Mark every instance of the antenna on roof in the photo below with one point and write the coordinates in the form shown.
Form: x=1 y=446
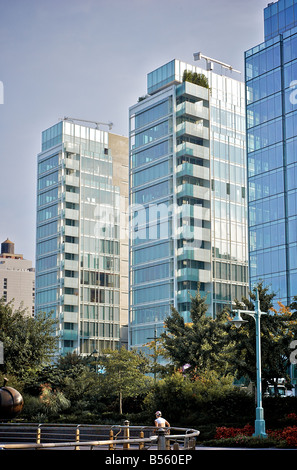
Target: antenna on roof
x=209 y=62
x=97 y=124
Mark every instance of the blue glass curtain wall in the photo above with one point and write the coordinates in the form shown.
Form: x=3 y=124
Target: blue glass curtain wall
x=271 y=69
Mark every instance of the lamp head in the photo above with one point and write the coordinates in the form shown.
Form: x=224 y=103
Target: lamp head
x=237 y=320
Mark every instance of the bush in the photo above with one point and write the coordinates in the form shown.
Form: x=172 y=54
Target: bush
x=200 y=403
x=197 y=78
x=276 y=410
x=243 y=437
x=243 y=441
x=287 y=435
x=223 y=432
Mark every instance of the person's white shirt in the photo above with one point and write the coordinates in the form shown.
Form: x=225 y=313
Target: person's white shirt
x=161 y=422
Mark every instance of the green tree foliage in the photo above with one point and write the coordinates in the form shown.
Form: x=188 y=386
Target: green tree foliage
x=197 y=78
x=69 y=385
x=265 y=296
x=204 y=343
x=29 y=343
x=124 y=374
x=184 y=401
x=277 y=332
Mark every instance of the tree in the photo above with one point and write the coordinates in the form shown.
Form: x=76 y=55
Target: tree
x=124 y=374
x=202 y=344
x=159 y=365
x=29 y=343
x=265 y=298
x=277 y=330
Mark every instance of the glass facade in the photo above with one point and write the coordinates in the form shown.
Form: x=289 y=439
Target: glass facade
x=272 y=157
x=188 y=200
x=78 y=259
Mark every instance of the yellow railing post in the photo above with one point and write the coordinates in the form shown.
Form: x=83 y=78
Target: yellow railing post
x=77 y=437
x=141 y=444
x=111 y=438
x=38 y=434
x=126 y=434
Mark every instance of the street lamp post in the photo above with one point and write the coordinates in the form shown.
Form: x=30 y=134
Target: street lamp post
x=238 y=321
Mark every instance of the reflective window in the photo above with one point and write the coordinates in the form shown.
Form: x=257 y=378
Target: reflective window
x=267 y=210
x=292 y=150
x=150 y=294
x=151 y=193
x=263 y=86
x=151 y=134
x=151 y=173
x=47 y=197
x=150 y=273
x=48 y=164
x=263 y=62
x=161 y=76
x=151 y=253
x=265 y=110
x=266 y=185
x=265 y=134
x=152 y=114
x=265 y=159
x=48 y=180
x=47 y=213
x=152 y=153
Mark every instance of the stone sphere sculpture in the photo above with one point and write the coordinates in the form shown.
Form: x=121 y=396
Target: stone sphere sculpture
x=11 y=402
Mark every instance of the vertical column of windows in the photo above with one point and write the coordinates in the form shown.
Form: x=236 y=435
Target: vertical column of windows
x=100 y=254
x=47 y=245
x=266 y=167
x=151 y=200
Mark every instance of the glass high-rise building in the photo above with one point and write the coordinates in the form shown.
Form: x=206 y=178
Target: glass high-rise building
x=271 y=74
x=81 y=255
x=188 y=197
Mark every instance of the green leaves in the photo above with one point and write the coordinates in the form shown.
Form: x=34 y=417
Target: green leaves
x=196 y=78
x=277 y=330
x=29 y=342
x=203 y=343
x=124 y=374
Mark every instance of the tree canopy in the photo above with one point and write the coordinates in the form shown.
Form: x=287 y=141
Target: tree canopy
x=29 y=343
x=201 y=344
x=124 y=373
x=277 y=331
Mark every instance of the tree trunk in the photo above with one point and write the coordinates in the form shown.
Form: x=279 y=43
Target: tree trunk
x=121 y=402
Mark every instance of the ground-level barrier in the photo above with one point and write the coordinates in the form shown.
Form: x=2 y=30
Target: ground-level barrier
x=38 y=436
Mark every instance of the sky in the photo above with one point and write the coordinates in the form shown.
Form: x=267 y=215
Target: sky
x=89 y=59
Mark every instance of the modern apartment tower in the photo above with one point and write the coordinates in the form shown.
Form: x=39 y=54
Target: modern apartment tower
x=81 y=257
x=188 y=199
x=271 y=74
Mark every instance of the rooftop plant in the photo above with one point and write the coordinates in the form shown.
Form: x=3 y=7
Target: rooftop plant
x=197 y=78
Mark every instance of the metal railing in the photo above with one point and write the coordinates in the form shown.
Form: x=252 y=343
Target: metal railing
x=33 y=436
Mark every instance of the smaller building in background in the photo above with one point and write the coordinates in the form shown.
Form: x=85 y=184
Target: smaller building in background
x=17 y=278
